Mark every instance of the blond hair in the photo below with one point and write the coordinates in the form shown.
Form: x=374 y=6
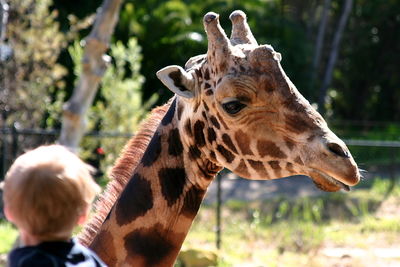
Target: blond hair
x=47 y=189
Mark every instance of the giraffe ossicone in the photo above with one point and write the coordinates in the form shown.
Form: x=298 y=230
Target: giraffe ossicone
x=234 y=107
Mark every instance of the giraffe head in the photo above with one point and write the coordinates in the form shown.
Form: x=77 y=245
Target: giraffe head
x=238 y=109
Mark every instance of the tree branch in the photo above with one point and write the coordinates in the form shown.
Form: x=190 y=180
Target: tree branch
x=94 y=64
x=334 y=53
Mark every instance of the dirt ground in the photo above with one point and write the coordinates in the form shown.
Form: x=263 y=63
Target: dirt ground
x=236 y=188
x=376 y=253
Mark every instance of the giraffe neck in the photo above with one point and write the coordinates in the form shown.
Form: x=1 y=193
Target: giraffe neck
x=150 y=220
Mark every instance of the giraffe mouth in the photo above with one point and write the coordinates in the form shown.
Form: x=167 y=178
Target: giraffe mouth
x=326 y=182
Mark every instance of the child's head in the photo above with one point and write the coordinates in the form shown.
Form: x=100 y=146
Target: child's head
x=47 y=190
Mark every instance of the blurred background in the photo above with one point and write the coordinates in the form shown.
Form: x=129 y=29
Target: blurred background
x=343 y=56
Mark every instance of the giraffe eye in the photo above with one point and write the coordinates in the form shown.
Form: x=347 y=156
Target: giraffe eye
x=233 y=107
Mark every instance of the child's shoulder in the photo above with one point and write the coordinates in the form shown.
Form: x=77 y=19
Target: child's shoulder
x=29 y=256
x=54 y=254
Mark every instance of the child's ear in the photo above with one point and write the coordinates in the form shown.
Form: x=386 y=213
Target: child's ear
x=8 y=214
x=83 y=217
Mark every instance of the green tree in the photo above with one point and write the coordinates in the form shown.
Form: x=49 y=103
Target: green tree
x=366 y=79
x=172 y=31
x=118 y=108
x=165 y=32
x=32 y=80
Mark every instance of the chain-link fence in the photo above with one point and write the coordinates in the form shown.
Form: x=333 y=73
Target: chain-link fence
x=379 y=158
x=15 y=141
x=375 y=158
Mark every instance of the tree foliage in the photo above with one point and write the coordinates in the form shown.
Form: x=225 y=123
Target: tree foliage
x=366 y=82
x=366 y=69
x=32 y=75
x=118 y=108
x=171 y=31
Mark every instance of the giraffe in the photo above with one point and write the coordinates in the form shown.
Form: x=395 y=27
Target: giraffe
x=234 y=107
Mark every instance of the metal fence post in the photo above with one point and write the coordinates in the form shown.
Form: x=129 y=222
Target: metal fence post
x=218 y=230
x=5 y=153
x=392 y=172
x=14 y=142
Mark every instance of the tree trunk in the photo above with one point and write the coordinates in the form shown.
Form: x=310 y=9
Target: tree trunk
x=333 y=55
x=5 y=53
x=3 y=19
x=94 y=64
x=319 y=41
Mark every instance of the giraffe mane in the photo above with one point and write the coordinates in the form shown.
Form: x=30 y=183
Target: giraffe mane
x=122 y=172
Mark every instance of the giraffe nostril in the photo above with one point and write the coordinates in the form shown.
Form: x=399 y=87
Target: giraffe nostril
x=338 y=150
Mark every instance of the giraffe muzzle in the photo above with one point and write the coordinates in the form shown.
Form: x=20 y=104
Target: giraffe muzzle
x=327 y=183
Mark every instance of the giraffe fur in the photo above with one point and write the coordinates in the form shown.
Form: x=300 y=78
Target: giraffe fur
x=234 y=107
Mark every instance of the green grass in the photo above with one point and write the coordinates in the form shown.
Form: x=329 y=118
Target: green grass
x=290 y=232
x=293 y=242
x=8 y=234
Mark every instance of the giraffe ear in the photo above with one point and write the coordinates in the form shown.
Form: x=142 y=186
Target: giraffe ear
x=177 y=80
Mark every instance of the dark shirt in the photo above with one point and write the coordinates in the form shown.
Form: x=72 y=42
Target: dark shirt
x=55 y=253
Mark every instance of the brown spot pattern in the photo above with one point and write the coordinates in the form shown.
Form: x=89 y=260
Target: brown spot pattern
x=242 y=169
x=215 y=122
x=104 y=247
x=194 y=152
x=211 y=135
x=153 y=150
x=196 y=107
x=151 y=244
x=243 y=142
x=172 y=181
x=212 y=155
x=298 y=160
x=276 y=167
x=268 y=148
x=206 y=106
x=228 y=141
x=268 y=86
x=181 y=108
x=229 y=157
x=192 y=201
x=311 y=138
x=222 y=122
x=198 y=73
x=203 y=172
x=258 y=166
x=292 y=103
x=175 y=147
x=169 y=116
x=289 y=167
x=135 y=200
x=207 y=75
x=289 y=143
x=296 y=124
x=222 y=66
x=188 y=127
x=199 y=133
x=274 y=164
